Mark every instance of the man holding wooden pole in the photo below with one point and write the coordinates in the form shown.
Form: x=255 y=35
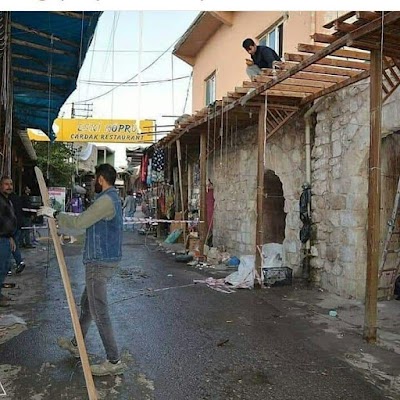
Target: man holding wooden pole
x=102 y=253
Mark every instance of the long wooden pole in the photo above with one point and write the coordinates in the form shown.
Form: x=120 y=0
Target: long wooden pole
x=203 y=205
x=179 y=156
x=374 y=195
x=260 y=188
x=68 y=291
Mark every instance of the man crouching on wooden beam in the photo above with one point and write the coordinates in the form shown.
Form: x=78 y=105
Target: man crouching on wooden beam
x=102 y=253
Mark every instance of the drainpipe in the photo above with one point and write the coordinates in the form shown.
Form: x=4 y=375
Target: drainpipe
x=307 y=120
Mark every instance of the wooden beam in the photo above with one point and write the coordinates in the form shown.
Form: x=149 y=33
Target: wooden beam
x=345 y=40
x=285 y=87
x=288 y=117
x=344 y=27
x=42 y=73
x=226 y=17
x=336 y=87
x=47 y=49
x=367 y=15
x=36 y=85
x=309 y=48
x=329 y=61
x=43 y=34
x=323 y=38
x=260 y=188
x=374 y=194
x=72 y=14
x=203 y=183
x=322 y=69
x=343 y=17
x=313 y=76
x=297 y=82
x=273 y=92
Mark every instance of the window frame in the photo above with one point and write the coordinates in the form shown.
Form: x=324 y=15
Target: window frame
x=210 y=98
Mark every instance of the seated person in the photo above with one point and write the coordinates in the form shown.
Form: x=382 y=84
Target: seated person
x=261 y=57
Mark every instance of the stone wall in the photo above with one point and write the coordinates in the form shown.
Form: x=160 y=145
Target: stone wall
x=235 y=188
x=340 y=187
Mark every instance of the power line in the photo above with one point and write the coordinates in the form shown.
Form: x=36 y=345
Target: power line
x=130 y=79
x=114 y=83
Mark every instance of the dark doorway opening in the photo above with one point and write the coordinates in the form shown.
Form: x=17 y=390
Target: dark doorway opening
x=274 y=215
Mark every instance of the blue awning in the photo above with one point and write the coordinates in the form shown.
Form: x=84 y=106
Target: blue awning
x=48 y=50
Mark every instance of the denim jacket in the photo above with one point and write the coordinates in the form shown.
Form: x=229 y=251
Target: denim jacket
x=103 y=240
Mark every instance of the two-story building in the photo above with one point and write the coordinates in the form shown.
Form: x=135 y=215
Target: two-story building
x=327 y=148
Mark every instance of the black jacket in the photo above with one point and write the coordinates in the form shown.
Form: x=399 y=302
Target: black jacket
x=264 y=57
x=8 y=220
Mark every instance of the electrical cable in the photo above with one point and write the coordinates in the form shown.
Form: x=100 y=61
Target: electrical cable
x=116 y=83
x=130 y=79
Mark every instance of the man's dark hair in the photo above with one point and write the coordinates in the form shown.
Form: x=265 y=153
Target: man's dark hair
x=5 y=178
x=129 y=192
x=108 y=172
x=247 y=43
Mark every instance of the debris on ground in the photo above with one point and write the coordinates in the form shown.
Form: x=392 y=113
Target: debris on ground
x=10 y=326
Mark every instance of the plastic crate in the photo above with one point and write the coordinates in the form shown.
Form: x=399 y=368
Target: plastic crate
x=277 y=276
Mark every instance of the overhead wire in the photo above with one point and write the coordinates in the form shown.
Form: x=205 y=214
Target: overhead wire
x=133 y=77
x=116 y=83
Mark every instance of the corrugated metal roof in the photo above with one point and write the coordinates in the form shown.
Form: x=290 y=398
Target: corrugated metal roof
x=48 y=49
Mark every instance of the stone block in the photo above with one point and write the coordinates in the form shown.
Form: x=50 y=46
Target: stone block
x=337 y=202
x=347 y=254
x=336 y=148
x=331 y=253
x=353 y=219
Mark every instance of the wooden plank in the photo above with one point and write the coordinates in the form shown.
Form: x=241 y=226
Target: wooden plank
x=261 y=136
x=298 y=82
x=68 y=291
x=47 y=49
x=336 y=87
x=345 y=27
x=272 y=92
x=44 y=35
x=321 y=69
x=288 y=117
x=329 y=61
x=323 y=38
x=285 y=87
x=345 y=40
x=313 y=76
x=367 y=15
x=42 y=73
x=343 y=17
x=72 y=14
x=309 y=48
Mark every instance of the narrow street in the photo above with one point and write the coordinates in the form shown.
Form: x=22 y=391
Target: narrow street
x=184 y=341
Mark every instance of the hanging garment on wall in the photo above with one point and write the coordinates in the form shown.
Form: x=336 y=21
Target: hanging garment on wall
x=143 y=168
x=305 y=200
x=148 y=178
x=158 y=160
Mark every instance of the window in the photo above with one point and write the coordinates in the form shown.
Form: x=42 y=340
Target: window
x=210 y=89
x=274 y=39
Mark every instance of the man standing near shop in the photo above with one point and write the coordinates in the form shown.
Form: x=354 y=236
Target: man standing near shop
x=102 y=253
x=8 y=227
x=130 y=206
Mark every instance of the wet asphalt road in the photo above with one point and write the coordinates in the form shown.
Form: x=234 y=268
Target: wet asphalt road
x=187 y=342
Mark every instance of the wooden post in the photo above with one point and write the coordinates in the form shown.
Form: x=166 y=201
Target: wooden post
x=179 y=156
x=374 y=195
x=260 y=189
x=203 y=205
x=68 y=291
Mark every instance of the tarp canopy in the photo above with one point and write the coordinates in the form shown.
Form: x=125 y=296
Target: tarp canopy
x=48 y=50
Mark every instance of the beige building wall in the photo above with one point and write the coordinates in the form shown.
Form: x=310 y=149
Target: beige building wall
x=223 y=53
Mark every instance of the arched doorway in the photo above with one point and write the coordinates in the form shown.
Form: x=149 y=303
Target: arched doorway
x=274 y=216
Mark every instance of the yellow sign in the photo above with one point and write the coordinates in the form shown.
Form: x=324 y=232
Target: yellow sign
x=104 y=130
x=37 y=135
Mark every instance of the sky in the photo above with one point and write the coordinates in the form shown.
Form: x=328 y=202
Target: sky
x=114 y=57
